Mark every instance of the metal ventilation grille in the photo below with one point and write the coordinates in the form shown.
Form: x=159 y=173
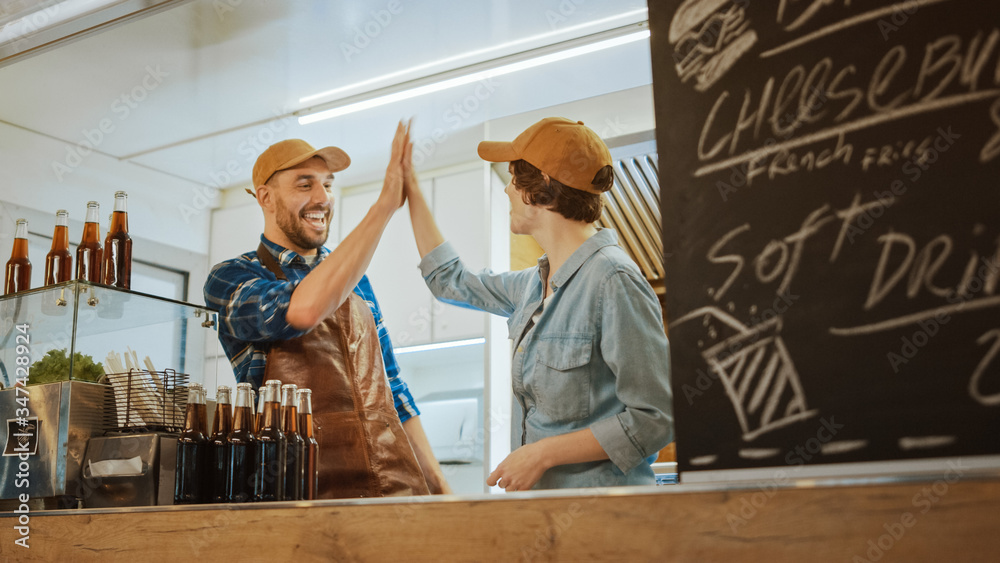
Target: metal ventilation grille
x=632 y=207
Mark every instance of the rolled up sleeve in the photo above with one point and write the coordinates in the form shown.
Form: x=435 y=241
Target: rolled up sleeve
x=634 y=346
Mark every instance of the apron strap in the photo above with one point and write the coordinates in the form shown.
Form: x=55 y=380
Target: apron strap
x=264 y=255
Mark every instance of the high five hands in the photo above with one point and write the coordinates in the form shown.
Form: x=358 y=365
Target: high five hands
x=392 y=187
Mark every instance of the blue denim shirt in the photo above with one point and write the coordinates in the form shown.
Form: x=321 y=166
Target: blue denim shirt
x=597 y=357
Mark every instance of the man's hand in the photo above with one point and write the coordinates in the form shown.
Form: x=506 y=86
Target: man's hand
x=521 y=469
x=392 y=187
x=410 y=183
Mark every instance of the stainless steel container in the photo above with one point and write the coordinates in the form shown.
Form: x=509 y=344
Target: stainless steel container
x=43 y=452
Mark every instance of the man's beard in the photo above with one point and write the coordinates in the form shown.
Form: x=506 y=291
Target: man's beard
x=291 y=225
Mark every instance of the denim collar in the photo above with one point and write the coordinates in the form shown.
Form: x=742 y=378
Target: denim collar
x=288 y=257
x=601 y=239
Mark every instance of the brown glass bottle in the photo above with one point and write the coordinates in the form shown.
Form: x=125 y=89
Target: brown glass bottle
x=310 y=475
x=294 y=443
x=269 y=456
x=118 y=247
x=59 y=262
x=89 y=255
x=17 y=275
x=217 y=466
x=241 y=444
x=191 y=449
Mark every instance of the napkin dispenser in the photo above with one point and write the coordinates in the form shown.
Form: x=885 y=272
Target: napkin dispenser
x=122 y=470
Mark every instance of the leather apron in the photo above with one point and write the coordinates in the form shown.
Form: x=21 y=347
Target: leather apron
x=363 y=450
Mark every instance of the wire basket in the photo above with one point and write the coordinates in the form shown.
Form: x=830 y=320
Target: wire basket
x=146 y=401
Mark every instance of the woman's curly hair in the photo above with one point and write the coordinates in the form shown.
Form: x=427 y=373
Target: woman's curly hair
x=571 y=203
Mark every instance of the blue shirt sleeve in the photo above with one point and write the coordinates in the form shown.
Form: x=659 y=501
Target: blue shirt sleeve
x=452 y=283
x=635 y=347
x=251 y=303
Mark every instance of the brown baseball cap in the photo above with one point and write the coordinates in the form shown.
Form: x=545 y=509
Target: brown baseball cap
x=566 y=150
x=286 y=154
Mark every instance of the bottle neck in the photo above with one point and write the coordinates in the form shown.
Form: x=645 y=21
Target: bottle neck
x=91 y=232
x=21 y=230
x=60 y=238
x=93 y=214
x=243 y=413
x=271 y=415
x=306 y=425
x=222 y=423
x=242 y=419
x=290 y=419
x=119 y=222
x=192 y=421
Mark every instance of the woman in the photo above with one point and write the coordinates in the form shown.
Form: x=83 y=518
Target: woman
x=590 y=362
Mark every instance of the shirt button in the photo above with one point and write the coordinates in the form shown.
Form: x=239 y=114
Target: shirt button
x=520 y=349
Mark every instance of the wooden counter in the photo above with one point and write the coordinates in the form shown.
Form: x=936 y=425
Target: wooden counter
x=925 y=520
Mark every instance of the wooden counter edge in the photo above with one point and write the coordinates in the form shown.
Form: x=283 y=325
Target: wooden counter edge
x=909 y=521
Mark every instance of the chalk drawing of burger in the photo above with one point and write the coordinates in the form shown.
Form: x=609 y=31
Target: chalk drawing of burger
x=709 y=37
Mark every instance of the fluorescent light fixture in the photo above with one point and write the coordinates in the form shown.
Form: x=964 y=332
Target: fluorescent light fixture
x=439 y=346
x=472 y=77
x=636 y=15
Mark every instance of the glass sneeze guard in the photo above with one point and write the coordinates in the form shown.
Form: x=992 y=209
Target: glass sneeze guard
x=68 y=328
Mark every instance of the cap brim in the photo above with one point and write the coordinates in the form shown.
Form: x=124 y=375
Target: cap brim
x=497 y=151
x=336 y=159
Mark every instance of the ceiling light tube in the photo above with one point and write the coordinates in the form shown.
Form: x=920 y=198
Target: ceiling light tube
x=637 y=15
x=475 y=76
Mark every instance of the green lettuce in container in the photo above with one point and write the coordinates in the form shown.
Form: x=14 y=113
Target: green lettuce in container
x=54 y=366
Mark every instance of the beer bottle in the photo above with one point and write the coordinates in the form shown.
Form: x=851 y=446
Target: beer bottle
x=88 y=255
x=191 y=451
x=294 y=444
x=241 y=444
x=59 y=262
x=118 y=247
x=17 y=276
x=310 y=475
x=258 y=420
x=218 y=451
x=269 y=458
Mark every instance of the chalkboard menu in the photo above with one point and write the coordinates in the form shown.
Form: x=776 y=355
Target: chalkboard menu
x=830 y=175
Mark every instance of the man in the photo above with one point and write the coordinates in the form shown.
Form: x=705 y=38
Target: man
x=295 y=311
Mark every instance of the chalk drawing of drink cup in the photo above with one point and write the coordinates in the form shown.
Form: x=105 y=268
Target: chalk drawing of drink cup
x=757 y=372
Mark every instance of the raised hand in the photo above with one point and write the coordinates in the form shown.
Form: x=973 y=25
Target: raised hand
x=410 y=183
x=392 y=187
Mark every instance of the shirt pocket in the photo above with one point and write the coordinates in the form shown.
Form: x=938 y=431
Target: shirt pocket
x=563 y=377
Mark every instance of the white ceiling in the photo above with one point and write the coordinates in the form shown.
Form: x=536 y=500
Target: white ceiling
x=188 y=97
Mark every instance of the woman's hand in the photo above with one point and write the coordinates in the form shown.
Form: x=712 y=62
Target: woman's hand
x=521 y=469
x=425 y=230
